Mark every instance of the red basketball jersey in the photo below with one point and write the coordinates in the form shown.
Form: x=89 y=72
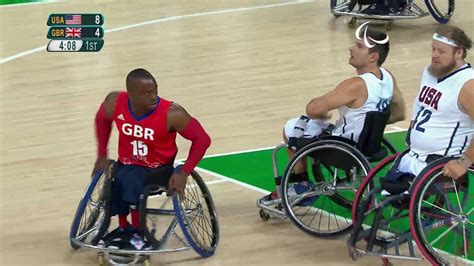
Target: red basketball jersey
x=144 y=140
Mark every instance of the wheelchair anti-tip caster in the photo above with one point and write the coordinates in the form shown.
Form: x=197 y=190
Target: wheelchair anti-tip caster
x=101 y=260
x=353 y=254
x=352 y=23
x=146 y=262
x=263 y=215
x=385 y=262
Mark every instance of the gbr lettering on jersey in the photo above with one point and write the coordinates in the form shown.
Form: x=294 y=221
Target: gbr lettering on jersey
x=137 y=131
x=139 y=148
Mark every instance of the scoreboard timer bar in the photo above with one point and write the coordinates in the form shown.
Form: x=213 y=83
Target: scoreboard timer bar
x=68 y=45
x=75 y=19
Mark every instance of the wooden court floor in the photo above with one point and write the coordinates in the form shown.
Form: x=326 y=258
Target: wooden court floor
x=242 y=67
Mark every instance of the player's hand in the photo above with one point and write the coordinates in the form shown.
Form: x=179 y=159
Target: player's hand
x=178 y=182
x=454 y=169
x=101 y=164
x=292 y=141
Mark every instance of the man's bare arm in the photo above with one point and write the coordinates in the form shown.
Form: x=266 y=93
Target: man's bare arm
x=347 y=92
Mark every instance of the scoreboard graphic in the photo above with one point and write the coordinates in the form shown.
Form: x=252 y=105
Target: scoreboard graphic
x=75 y=32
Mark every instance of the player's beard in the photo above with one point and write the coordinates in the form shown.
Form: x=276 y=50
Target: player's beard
x=440 y=72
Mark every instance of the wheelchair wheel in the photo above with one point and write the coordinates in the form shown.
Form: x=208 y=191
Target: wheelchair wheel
x=197 y=216
x=150 y=212
x=442 y=215
x=92 y=216
x=376 y=222
x=321 y=206
x=342 y=5
x=440 y=12
x=371 y=181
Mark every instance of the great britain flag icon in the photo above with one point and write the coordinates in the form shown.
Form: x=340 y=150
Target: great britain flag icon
x=73 y=32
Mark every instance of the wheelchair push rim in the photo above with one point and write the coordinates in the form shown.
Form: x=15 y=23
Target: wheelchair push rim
x=91 y=218
x=325 y=209
x=368 y=183
x=442 y=216
x=197 y=217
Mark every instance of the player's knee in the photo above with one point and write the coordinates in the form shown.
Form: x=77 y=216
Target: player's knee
x=288 y=128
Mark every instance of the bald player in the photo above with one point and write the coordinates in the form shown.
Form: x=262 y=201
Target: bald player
x=147 y=125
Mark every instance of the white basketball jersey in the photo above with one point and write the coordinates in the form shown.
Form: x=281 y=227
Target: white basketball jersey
x=439 y=126
x=379 y=94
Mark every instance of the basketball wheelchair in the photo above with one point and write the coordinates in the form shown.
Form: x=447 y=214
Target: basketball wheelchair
x=431 y=211
x=194 y=212
x=392 y=10
x=335 y=167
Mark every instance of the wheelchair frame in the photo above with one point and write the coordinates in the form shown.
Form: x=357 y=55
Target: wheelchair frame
x=411 y=11
x=87 y=234
x=280 y=207
x=389 y=242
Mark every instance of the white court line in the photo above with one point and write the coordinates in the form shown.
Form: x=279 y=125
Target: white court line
x=236 y=152
x=226 y=178
x=223 y=179
x=32 y=51
x=395 y=130
x=30 y=3
x=213 y=182
x=25 y=53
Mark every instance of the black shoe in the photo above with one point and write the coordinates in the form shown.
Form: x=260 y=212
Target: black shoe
x=375 y=9
x=119 y=237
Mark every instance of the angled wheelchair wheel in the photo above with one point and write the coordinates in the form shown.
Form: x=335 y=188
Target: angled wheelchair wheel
x=93 y=213
x=379 y=219
x=442 y=11
x=322 y=205
x=197 y=216
x=371 y=181
x=442 y=215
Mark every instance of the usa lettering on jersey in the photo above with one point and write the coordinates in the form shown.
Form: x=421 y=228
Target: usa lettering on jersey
x=430 y=96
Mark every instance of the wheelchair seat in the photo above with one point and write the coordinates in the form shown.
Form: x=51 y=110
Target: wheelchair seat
x=370 y=138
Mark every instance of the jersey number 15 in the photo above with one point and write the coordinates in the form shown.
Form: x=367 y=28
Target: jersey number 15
x=139 y=148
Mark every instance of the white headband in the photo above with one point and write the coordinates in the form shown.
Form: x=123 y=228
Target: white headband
x=444 y=39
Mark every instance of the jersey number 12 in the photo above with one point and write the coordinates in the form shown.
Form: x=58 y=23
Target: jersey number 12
x=424 y=115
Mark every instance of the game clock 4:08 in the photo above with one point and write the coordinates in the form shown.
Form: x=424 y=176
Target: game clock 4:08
x=75 y=45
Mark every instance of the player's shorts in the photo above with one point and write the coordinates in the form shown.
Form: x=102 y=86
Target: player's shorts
x=414 y=163
x=130 y=180
x=314 y=127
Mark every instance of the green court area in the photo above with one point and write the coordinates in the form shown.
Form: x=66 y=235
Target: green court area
x=255 y=167
x=12 y=2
